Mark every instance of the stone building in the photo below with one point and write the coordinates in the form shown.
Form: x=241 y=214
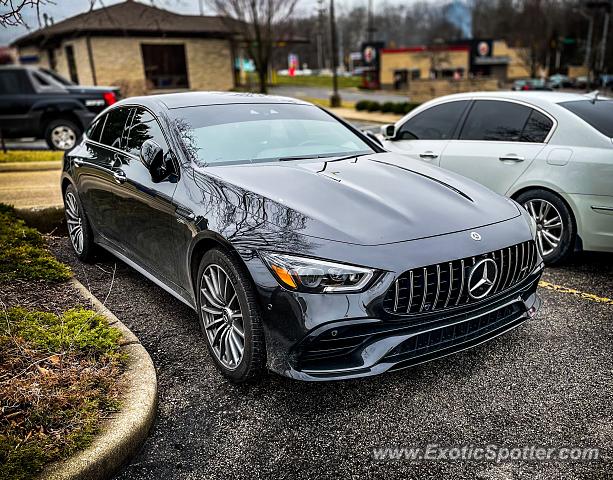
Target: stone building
x=140 y=48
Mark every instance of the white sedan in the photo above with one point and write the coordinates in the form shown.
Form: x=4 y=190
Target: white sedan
x=551 y=152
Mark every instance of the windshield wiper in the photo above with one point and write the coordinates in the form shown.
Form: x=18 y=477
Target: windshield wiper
x=303 y=157
x=333 y=157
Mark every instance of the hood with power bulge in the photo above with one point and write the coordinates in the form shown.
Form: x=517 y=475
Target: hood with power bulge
x=372 y=200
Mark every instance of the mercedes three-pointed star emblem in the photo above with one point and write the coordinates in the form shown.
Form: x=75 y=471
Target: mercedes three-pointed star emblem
x=482 y=278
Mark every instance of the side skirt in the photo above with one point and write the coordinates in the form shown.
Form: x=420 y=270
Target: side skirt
x=146 y=273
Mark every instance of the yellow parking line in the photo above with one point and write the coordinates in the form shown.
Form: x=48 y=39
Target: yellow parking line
x=577 y=293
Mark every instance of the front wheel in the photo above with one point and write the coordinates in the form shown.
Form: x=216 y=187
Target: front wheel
x=79 y=231
x=555 y=226
x=229 y=317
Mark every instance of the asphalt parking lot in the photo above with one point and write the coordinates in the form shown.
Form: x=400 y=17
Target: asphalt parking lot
x=547 y=383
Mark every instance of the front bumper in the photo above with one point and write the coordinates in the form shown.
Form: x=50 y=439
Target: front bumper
x=339 y=336
x=363 y=347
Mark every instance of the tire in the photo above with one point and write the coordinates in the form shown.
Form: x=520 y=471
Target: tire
x=79 y=230
x=62 y=134
x=222 y=330
x=553 y=206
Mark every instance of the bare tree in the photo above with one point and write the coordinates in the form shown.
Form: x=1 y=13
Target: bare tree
x=259 y=24
x=14 y=15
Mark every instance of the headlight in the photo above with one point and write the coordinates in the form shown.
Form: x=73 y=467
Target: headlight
x=316 y=276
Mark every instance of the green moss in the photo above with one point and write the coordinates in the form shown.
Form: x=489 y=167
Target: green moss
x=23 y=254
x=60 y=405
x=79 y=329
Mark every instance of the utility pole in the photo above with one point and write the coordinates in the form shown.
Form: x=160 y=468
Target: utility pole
x=588 y=42
x=335 y=98
x=603 y=43
x=320 y=34
x=370 y=27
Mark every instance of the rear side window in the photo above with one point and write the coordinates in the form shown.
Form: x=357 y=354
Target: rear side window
x=435 y=123
x=93 y=132
x=144 y=127
x=14 y=82
x=598 y=114
x=537 y=128
x=114 y=127
x=495 y=121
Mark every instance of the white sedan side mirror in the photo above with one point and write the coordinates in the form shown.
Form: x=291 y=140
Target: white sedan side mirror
x=389 y=131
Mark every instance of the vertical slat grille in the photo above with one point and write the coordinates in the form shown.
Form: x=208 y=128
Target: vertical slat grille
x=445 y=285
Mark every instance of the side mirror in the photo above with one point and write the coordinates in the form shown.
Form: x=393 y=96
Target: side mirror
x=152 y=155
x=389 y=131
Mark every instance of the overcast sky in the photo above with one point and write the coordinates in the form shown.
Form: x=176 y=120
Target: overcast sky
x=61 y=9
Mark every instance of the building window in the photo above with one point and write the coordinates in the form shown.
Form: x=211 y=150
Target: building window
x=52 y=59
x=72 y=65
x=165 y=66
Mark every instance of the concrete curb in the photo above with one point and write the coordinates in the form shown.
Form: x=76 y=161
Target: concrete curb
x=30 y=166
x=44 y=219
x=123 y=434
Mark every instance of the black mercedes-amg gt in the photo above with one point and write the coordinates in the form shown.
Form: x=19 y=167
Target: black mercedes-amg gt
x=302 y=244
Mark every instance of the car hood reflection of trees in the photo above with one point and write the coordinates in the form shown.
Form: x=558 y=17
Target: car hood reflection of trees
x=370 y=200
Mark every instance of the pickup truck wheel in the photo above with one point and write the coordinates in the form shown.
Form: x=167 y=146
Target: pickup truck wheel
x=62 y=134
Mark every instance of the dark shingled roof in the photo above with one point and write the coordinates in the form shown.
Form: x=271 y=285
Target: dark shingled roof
x=130 y=18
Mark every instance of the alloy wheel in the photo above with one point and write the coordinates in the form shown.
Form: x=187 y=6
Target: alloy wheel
x=549 y=227
x=63 y=137
x=75 y=224
x=222 y=315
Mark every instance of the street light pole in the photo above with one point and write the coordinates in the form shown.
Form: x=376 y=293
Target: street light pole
x=335 y=98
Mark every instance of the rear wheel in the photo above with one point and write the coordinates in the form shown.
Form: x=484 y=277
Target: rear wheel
x=229 y=317
x=62 y=134
x=79 y=231
x=555 y=226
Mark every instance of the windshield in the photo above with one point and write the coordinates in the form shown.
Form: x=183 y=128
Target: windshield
x=246 y=133
x=598 y=113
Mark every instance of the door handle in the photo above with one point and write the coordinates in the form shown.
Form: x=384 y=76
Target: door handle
x=119 y=176
x=511 y=158
x=429 y=155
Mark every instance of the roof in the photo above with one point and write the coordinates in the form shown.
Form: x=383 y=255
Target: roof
x=130 y=18
x=191 y=99
x=536 y=97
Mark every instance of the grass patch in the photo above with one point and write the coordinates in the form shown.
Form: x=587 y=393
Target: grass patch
x=307 y=81
x=324 y=102
x=318 y=81
x=30 y=156
x=23 y=254
x=58 y=378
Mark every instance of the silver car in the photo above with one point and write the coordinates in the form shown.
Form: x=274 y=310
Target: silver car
x=552 y=152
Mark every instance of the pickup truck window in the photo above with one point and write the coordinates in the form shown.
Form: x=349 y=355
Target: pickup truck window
x=14 y=82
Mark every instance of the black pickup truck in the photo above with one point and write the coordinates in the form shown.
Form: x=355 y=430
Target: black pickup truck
x=36 y=102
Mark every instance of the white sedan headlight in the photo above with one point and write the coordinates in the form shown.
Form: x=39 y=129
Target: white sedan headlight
x=316 y=276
